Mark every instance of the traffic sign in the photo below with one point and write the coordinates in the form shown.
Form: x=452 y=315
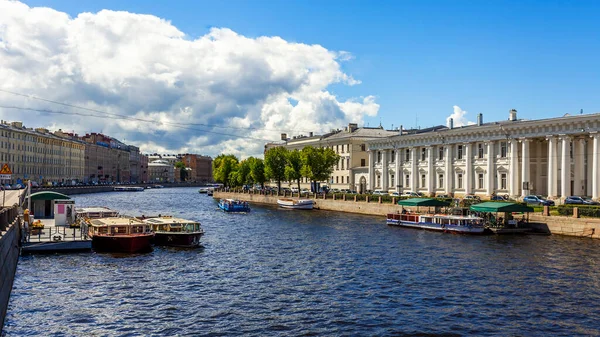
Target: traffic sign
x=5 y=169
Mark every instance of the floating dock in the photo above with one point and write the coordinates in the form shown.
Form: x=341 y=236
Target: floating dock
x=55 y=239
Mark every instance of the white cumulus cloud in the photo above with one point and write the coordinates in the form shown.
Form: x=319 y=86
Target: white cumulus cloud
x=459 y=117
x=200 y=94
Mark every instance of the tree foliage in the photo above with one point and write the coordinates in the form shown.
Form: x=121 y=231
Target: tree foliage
x=182 y=170
x=293 y=169
x=317 y=163
x=257 y=171
x=275 y=163
x=223 y=166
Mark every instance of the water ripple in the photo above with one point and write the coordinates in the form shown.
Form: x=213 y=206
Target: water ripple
x=282 y=273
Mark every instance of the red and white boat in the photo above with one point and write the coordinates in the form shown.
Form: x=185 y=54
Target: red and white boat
x=120 y=235
x=174 y=232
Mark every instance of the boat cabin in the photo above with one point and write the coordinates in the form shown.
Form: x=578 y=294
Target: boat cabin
x=172 y=225
x=117 y=226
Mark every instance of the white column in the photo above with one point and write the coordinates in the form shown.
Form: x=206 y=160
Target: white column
x=525 y=167
x=384 y=170
x=371 y=170
x=539 y=181
x=513 y=174
x=565 y=183
x=578 y=167
x=595 y=181
x=430 y=171
x=552 y=167
x=449 y=172
x=414 y=171
x=398 y=171
x=468 y=176
x=490 y=168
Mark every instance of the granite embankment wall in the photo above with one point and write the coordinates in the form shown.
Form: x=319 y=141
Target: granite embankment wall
x=72 y=190
x=560 y=225
x=10 y=235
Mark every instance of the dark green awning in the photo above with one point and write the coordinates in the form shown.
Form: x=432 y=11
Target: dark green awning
x=423 y=202
x=48 y=195
x=496 y=207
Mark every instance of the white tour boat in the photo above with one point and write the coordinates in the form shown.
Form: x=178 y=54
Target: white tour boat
x=295 y=203
x=439 y=222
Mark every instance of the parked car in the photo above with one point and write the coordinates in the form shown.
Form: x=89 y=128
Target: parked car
x=412 y=194
x=379 y=192
x=590 y=201
x=472 y=197
x=538 y=200
x=499 y=198
x=394 y=194
x=573 y=200
x=305 y=191
x=444 y=196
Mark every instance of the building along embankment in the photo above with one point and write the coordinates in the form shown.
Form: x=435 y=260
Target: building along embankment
x=10 y=236
x=559 y=225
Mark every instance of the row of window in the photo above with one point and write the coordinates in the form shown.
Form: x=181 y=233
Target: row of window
x=459 y=181
x=460 y=152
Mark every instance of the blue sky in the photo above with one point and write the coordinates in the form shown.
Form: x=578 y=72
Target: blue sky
x=421 y=58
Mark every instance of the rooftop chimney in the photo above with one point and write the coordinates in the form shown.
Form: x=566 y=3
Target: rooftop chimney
x=352 y=127
x=284 y=136
x=480 y=119
x=310 y=134
x=512 y=115
x=401 y=130
x=451 y=123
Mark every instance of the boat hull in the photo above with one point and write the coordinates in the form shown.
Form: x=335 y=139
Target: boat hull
x=137 y=243
x=234 y=208
x=295 y=204
x=396 y=220
x=173 y=239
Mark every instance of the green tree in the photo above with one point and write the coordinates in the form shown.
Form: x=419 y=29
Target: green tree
x=243 y=173
x=257 y=171
x=182 y=170
x=293 y=169
x=223 y=166
x=317 y=163
x=275 y=163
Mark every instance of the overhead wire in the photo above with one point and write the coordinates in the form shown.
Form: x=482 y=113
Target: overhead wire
x=136 y=119
x=141 y=119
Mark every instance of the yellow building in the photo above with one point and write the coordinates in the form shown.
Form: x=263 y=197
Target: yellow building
x=39 y=155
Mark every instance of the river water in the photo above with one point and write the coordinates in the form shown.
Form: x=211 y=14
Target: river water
x=277 y=272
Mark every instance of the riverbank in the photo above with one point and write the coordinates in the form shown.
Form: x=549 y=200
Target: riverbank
x=559 y=225
x=73 y=190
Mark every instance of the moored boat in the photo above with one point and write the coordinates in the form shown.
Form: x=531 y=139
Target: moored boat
x=120 y=235
x=174 y=232
x=295 y=203
x=210 y=192
x=128 y=189
x=234 y=205
x=439 y=222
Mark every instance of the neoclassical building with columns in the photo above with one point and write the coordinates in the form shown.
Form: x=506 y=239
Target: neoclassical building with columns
x=554 y=157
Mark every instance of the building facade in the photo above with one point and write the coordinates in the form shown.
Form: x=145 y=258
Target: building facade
x=106 y=159
x=161 y=171
x=555 y=157
x=201 y=167
x=39 y=155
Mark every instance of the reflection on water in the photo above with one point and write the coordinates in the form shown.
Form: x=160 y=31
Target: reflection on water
x=277 y=272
